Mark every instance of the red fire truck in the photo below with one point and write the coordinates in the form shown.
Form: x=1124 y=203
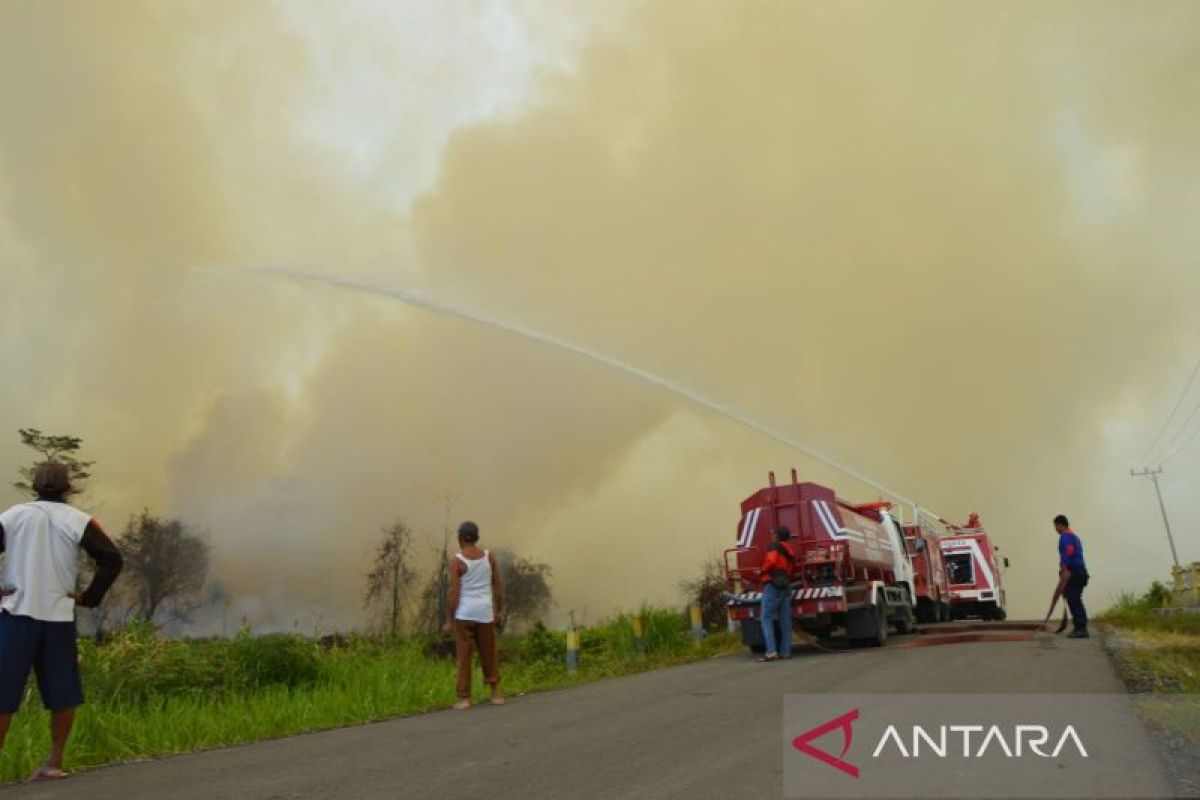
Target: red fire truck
x=973 y=571
x=930 y=582
x=852 y=568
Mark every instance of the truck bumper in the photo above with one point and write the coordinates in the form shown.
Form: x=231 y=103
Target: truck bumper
x=808 y=602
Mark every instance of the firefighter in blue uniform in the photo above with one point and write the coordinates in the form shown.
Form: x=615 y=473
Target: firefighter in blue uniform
x=1073 y=575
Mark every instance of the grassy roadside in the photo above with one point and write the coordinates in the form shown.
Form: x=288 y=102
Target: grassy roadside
x=1154 y=652
x=149 y=697
x=1158 y=658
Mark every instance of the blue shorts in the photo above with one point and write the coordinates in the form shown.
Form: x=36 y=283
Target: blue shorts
x=49 y=649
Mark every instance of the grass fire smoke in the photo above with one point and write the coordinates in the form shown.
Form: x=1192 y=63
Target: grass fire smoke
x=948 y=244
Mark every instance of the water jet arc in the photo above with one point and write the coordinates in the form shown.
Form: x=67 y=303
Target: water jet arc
x=422 y=300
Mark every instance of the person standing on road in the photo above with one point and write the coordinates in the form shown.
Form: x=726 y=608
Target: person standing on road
x=474 y=613
x=41 y=541
x=776 y=574
x=1072 y=575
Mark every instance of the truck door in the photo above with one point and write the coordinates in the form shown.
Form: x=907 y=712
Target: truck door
x=902 y=567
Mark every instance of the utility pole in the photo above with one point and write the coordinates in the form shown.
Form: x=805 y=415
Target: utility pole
x=1152 y=474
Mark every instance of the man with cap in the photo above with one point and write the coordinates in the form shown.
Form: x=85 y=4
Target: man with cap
x=40 y=541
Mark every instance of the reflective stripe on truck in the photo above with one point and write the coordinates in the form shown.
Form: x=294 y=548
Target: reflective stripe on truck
x=807 y=593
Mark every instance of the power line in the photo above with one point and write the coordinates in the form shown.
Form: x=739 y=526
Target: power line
x=1188 y=440
x=1166 y=424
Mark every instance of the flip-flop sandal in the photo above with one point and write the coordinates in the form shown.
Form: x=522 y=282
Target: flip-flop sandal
x=462 y=705
x=497 y=701
x=44 y=774
x=764 y=659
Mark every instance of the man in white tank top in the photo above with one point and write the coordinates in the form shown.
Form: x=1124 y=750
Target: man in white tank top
x=41 y=541
x=474 y=613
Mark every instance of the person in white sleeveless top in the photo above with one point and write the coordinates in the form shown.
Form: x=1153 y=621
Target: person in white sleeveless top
x=474 y=613
x=41 y=541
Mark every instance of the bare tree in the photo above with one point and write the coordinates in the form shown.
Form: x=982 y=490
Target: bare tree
x=166 y=564
x=527 y=595
x=63 y=449
x=431 y=609
x=708 y=589
x=389 y=578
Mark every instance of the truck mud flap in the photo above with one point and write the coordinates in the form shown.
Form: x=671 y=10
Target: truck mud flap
x=752 y=635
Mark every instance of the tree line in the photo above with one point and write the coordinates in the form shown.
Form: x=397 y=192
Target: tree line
x=167 y=565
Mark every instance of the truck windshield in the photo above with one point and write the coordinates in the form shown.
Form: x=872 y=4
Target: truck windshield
x=960 y=568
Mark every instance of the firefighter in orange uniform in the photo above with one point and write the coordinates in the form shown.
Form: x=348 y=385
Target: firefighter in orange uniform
x=776 y=576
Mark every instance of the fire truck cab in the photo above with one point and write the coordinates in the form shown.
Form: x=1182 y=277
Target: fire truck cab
x=973 y=571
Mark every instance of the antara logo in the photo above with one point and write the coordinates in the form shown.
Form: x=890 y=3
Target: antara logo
x=845 y=722
x=1021 y=740
x=1032 y=737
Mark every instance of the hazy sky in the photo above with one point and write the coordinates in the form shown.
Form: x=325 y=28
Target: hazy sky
x=950 y=244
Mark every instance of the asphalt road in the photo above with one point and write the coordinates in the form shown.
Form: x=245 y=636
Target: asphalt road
x=707 y=730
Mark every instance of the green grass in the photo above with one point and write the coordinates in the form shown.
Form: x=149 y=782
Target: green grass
x=1138 y=613
x=149 y=697
x=1155 y=652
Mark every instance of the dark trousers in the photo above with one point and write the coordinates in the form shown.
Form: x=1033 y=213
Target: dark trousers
x=479 y=636
x=1073 y=594
x=48 y=648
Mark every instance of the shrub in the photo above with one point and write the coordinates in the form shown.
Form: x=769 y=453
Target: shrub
x=134 y=666
x=1157 y=596
x=666 y=629
x=274 y=659
x=542 y=645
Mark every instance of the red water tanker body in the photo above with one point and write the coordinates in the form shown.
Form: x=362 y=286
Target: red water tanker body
x=930 y=582
x=973 y=571
x=852 y=569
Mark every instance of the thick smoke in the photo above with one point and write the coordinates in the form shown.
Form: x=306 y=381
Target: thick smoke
x=947 y=243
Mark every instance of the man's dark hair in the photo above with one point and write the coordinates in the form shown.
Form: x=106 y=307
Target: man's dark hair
x=782 y=533
x=468 y=532
x=51 y=481
x=1061 y=519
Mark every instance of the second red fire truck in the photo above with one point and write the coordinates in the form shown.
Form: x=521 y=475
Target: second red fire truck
x=930 y=582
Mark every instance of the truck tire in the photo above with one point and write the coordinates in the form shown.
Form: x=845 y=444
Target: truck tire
x=904 y=623
x=867 y=626
x=881 y=626
x=927 y=611
x=943 y=612
x=992 y=611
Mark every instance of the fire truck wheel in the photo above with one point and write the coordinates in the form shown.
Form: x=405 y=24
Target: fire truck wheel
x=881 y=625
x=904 y=623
